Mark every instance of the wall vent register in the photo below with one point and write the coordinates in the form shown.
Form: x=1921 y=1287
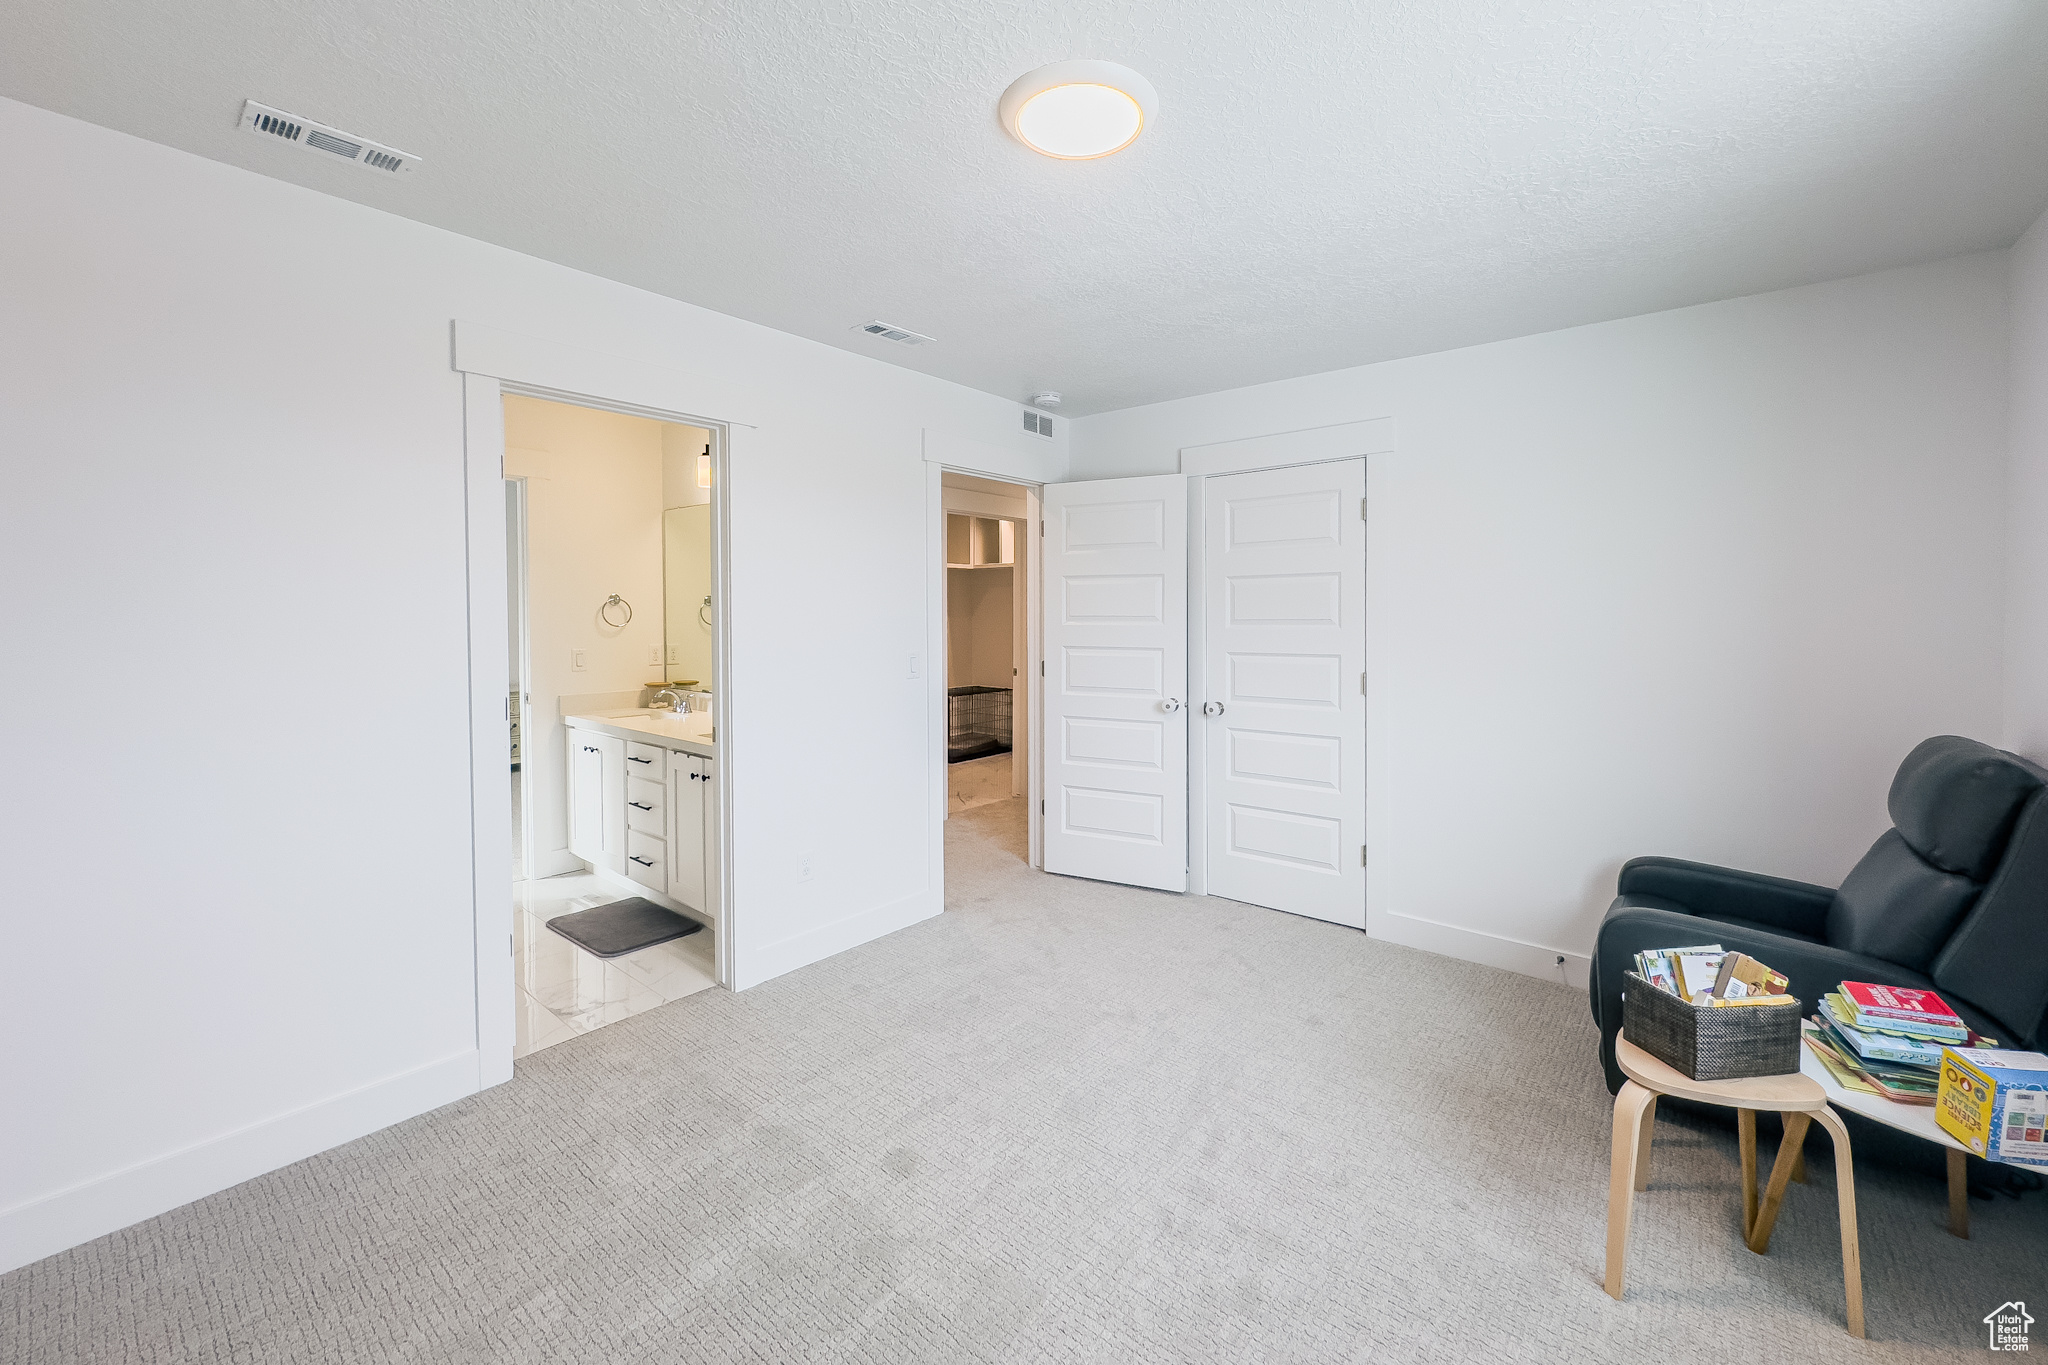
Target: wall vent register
x=264 y=121
x=1037 y=423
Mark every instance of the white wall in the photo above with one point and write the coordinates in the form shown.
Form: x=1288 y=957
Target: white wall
x=2026 y=625
x=233 y=450
x=1690 y=583
x=593 y=528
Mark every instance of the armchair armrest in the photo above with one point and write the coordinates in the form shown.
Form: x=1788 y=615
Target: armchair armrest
x=1724 y=893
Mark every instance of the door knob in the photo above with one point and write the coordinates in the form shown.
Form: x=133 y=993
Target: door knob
x=1212 y=708
x=1170 y=705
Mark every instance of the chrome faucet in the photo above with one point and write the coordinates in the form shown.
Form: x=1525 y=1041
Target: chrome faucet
x=676 y=700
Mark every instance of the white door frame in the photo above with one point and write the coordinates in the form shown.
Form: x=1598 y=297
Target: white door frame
x=517 y=494
x=958 y=458
x=492 y=364
x=1315 y=445
x=968 y=503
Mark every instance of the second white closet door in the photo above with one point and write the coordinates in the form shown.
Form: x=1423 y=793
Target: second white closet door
x=1283 y=662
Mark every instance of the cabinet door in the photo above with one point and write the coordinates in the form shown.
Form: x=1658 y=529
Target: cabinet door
x=686 y=825
x=614 y=750
x=586 y=796
x=707 y=831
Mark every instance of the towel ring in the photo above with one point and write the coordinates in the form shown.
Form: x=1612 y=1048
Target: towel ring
x=704 y=612
x=604 y=613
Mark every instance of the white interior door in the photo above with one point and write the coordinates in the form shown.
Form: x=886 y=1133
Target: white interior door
x=1283 y=704
x=1115 y=744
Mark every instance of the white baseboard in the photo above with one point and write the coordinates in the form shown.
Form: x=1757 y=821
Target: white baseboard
x=50 y=1224
x=756 y=965
x=556 y=863
x=1491 y=950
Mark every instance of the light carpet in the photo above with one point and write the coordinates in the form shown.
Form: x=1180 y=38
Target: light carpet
x=1064 y=1122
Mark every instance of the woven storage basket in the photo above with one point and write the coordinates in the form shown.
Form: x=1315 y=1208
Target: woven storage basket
x=1710 y=1044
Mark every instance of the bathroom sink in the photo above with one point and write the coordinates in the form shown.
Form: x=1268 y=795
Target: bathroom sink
x=695 y=726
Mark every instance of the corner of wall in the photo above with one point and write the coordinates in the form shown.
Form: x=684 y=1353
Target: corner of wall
x=2025 y=690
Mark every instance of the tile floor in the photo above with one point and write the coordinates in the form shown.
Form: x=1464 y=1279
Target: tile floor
x=563 y=991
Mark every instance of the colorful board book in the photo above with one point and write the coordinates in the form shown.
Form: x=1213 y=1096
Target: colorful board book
x=1995 y=1103
x=1904 y=1009
x=1873 y=1044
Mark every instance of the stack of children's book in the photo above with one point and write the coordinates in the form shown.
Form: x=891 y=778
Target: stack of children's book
x=1709 y=977
x=1887 y=1040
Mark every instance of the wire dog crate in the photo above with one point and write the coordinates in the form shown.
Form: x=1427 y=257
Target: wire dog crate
x=977 y=722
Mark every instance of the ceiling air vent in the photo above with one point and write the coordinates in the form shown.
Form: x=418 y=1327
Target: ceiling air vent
x=1037 y=423
x=901 y=335
x=265 y=121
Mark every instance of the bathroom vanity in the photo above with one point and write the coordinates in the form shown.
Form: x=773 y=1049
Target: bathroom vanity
x=643 y=805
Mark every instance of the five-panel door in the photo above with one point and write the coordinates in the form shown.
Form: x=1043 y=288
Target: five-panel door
x=1282 y=688
x=1115 y=738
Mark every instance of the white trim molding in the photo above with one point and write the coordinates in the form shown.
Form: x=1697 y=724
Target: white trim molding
x=1375 y=436
x=50 y=1224
x=571 y=374
x=1472 y=945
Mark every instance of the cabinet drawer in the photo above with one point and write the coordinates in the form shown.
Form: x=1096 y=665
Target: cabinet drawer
x=645 y=760
x=647 y=860
x=646 y=803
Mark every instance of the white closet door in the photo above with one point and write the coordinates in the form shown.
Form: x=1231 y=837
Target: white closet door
x=1283 y=705
x=1115 y=744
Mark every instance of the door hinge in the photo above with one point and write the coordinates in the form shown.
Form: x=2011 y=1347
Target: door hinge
x=1041 y=668
x=1362 y=861
x=1361 y=509
x=1041 y=530
x=1041 y=807
x=1361 y=684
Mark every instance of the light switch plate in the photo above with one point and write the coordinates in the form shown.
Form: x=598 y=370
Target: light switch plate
x=576 y=660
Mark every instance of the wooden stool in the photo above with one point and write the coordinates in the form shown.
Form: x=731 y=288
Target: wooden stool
x=1799 y=1098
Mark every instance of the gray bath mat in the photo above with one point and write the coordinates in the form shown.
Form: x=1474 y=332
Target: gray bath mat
x=622 y=927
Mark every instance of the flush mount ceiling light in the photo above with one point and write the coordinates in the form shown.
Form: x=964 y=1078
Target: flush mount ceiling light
x=1078 y=110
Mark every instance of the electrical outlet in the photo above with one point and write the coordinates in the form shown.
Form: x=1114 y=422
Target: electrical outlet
x=675 y=654
x=654 y=655
x=803 y=866
x=915 y=661
x=576 y=660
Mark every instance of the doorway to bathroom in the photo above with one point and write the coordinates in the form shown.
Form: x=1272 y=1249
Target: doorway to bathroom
x=989 y=665
x=612 y=590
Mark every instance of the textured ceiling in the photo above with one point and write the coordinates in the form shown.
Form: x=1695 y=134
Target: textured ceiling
x=1326 y=184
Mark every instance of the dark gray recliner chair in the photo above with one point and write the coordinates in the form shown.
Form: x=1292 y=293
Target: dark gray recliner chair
x=1955 y=898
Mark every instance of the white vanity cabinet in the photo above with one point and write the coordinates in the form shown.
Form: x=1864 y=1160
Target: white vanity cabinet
x=690 y=877
x=645 y=815
x=597 y=799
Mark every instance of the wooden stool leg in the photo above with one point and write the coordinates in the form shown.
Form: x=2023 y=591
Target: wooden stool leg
x=1643 y=1136
x=1745 y=1128
x=1796 y=1124
x=1845 y=1206
x=1958 y=1194
x=1799 y=1166
x=1621 y=1179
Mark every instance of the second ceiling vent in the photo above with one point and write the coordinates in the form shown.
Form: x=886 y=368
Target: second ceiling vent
x=264 y=121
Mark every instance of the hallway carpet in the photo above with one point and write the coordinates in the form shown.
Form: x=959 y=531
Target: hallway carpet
x=1064 y=1122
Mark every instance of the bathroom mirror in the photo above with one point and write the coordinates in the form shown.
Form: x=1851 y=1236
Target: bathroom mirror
x=686 y=584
